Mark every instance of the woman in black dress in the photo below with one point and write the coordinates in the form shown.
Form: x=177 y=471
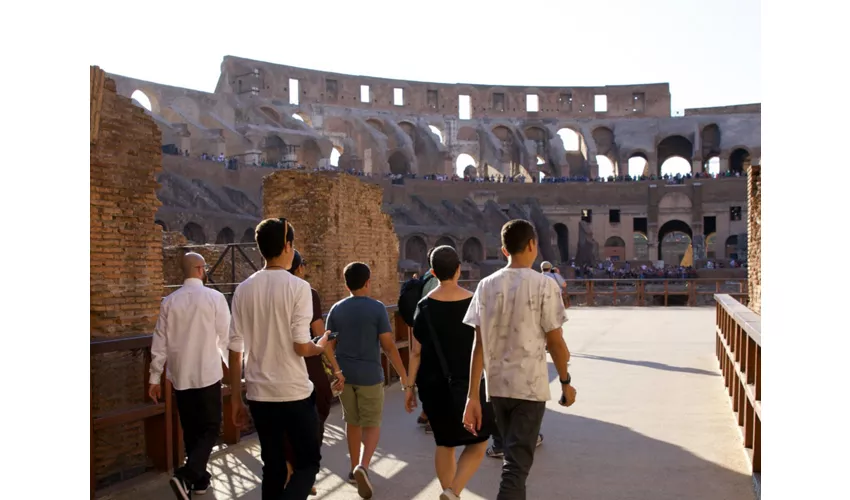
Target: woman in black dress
x=441 y=314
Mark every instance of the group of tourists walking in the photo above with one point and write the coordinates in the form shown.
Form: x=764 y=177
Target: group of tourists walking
x=478 y=365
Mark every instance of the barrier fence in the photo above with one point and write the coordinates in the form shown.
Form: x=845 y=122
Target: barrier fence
x=739 y=353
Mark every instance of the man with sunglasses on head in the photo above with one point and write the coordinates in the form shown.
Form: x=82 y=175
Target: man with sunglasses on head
x=272 y=312
x=190 y=336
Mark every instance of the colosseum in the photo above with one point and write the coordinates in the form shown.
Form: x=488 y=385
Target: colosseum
x=550 y=143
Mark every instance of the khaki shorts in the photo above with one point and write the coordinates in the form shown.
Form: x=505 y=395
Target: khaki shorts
x=363 y=405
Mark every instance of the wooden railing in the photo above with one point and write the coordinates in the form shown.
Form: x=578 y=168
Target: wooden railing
x=739 y=353
x=642 y=292
x=163 y=433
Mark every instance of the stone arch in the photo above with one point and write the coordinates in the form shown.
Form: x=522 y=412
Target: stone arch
x=194 y=233
x=536 y=133
x=336 y=154
x=473 y=251
x=303 y=117
x=225 y=236
x=416 y=249
x=409 y=129
x=446 y=240
x=637 y=164
x=739 y=160
x=161 y=224
x=146 y=99
x=271 y=114
x=675 y=201
x=603 y=137
x=466 y=165
x=670 y=228
x=572 y=139
x=248 y=236
x=641 y=246
x=274 y=149
x=731 y=247
x=674 y=145
x=615 y=249
x=467 y=134
x=309 y=153
x=439 y=133
x=563 y=237
x=502 y=132
x=376 y=124
x=710 y=140
x=399 y=163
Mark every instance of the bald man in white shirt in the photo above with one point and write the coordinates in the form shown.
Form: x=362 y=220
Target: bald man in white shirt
x=190 y=336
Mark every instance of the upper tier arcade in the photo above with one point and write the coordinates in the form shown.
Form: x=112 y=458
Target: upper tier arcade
x=264 y=113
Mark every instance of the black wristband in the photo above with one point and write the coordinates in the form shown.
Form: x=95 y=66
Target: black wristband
x=569 y=379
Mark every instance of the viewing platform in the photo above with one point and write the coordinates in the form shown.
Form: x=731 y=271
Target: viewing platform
x=653 y=420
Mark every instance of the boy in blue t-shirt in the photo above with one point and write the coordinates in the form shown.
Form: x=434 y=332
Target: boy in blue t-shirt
x=364 y=329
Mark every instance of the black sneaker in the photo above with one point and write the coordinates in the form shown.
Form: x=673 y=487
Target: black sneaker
x=200 y=488
x=364 y=486
x=180 y=488
x=351 y=479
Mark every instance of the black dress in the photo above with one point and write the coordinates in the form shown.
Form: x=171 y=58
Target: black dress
x=456 y=341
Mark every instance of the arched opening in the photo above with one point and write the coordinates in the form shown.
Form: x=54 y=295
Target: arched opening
x=194 y=233
x=641 y=246
x=570 y=138
x=467 y=134
x=299 y=117
x=675 y=166
x=604 y=139
x=445 y=240
x=248 y=236
x=606 y=167
x=674 y=238
x=271 y=114
x=710 y=241
x=335 y=154
x=225 y=236
x=675 y=145
x=309 y=154
x=615 y=248
x=142 y=99
x=436 y=131
x=637 y=165
x=710 y=140
x=161 y=224
x=463 y=164
x=739 y=160
x=563 y=236
x=376 y=124
x=732 y=247
x=473 y=251
x=712 y=166
x=416 y=250
x=399 y=164
x=274 y=150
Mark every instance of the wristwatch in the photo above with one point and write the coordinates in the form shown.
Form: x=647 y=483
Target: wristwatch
x=569 y=379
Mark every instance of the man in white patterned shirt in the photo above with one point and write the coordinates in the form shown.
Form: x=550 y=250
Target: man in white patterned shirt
x=190 y=336
x=517 y=313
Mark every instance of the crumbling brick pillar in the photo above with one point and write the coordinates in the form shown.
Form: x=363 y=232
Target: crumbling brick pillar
x=754 y=237
x=337 y=219
x=126 y=266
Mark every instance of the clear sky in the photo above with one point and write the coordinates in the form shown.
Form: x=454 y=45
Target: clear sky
x=709 y=51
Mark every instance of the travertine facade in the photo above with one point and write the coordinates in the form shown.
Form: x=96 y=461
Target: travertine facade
x=126 y=265
x=337 y=220
x=754 y=237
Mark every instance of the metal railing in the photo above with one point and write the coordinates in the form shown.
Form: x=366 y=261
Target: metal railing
x=739 y=353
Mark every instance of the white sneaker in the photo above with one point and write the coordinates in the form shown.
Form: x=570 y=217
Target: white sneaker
x=448 y=494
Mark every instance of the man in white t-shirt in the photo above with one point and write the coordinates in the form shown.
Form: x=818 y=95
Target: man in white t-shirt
x=517 y=314
x=271 y=315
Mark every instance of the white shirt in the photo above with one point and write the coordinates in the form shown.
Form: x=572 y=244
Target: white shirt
x=271 y=310
x=514 y=309
x=189 y=337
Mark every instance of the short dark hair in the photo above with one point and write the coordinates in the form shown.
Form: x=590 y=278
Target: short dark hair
x=430 y=253
x=296 y=262
x=444 y=262
x=356 y=275
x=516 y=234
x=272 y=236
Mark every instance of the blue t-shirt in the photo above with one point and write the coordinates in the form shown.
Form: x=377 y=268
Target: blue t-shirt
x=359 y=321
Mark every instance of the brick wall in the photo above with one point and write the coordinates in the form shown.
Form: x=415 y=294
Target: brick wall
x=754 y=237
x=337 y=220
x=126 y=266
